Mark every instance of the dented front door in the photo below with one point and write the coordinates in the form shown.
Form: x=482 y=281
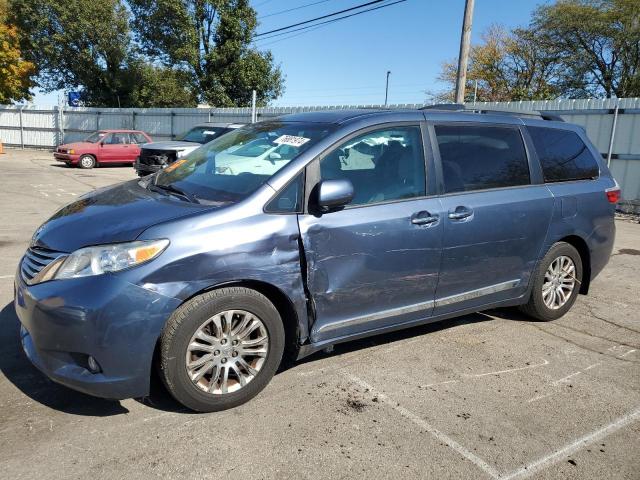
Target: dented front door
x=373 y=266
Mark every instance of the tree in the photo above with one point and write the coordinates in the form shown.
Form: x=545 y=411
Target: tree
x=15 y=72
x=157 y=86
x=87 y=45
x=514 y=65
x=211 y=40
x=598 y=44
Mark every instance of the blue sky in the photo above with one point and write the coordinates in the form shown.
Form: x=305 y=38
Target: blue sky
x=346 y=62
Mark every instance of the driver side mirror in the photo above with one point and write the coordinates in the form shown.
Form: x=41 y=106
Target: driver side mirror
x=334 y=194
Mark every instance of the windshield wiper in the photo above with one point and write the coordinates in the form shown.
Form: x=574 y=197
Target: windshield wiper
x=174 y=190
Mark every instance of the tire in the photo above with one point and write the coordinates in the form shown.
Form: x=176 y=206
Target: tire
x=196 y=315
x=537 y=307
x=87 y=161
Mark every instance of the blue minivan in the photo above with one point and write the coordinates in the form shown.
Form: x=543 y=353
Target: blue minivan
x=300 y=232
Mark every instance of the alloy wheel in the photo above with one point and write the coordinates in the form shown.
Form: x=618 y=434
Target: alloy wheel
x=559 y=282
x=227 y=351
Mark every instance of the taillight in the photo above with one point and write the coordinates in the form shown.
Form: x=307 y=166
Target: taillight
x=613 y=194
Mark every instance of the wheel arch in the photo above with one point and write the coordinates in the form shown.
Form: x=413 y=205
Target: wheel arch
x=280 y=300
x=581 y=246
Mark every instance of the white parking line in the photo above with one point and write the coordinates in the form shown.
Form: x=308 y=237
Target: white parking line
x=486 y=374
x=544 y=362
x=564 y=379
x=573 y=447
x=522 y=472
x=484 y=466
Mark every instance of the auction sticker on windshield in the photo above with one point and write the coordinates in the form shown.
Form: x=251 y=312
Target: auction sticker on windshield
x=290 y=140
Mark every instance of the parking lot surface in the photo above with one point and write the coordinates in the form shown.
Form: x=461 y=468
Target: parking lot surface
x=489 y=395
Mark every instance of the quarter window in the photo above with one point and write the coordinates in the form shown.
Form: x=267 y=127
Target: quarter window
x=382 y=165
x=289 y=200
x=481 y=157
x=139 y=138
x=563 y=155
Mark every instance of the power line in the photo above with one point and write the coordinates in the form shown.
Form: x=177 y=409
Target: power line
x=261 y=3
x=290 y=36
x=332 y=20
x=320 y=18
x=292 y=9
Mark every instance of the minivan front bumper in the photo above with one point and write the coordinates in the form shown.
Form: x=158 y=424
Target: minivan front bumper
x=118 y=323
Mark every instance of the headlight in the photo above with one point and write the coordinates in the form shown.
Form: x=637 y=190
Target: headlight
x=181 y=153
x=72 y=151
x=109 y=258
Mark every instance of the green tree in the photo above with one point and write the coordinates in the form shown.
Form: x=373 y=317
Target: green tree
x=88 y=45
x=15 y=72
x=158 y=86
x=514 y=65
x=598 y=44
x=211 y=40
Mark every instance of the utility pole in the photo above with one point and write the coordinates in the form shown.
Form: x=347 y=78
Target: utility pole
x=386 y=90
x=465 y=45
x=254 y=115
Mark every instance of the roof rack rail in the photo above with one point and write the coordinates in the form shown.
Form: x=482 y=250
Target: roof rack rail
x=444 y=106
x=458 y=107
x=520 y=113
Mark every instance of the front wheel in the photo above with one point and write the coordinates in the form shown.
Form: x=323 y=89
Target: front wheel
x=556 y=283
x=220 y=349
x=87 y=161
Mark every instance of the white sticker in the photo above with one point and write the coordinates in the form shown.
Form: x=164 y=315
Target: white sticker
x=208 y=132
x=291 y=140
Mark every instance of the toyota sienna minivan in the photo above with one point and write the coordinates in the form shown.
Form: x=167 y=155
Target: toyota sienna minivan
x=355 y=223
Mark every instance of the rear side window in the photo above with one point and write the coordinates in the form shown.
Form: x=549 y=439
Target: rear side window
x=139 y=138
x=481 y=157
x=563 y=155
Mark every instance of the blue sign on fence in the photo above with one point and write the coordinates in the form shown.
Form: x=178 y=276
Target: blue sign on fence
x=74 y=99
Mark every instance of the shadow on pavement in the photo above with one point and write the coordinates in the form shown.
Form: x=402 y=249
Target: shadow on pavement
x=388 y=338
x=18 y=370
x=101 y=166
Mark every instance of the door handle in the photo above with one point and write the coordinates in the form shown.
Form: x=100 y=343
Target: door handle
x=423 y=218
x=460 y=213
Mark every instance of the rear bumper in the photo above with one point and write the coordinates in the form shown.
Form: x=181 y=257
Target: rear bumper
x=116 y=322
x=601 y=245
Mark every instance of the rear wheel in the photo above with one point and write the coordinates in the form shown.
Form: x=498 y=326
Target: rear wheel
x=220 y=349
x=556 y=283
x=87 y=161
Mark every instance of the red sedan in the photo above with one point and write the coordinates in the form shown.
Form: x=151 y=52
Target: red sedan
x=103 y=147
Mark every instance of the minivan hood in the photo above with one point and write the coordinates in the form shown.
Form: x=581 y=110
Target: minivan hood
x=119 y=213
x=173 y=145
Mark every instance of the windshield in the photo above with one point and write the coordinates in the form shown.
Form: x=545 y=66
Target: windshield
x=95 y=137
x=202 y=134
x=219 y=172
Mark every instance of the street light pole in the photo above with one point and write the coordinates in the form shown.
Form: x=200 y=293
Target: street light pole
x=386 y=91
x=465 y=46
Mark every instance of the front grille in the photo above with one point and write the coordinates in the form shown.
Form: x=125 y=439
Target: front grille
x=150 y=156
x=34 y=260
